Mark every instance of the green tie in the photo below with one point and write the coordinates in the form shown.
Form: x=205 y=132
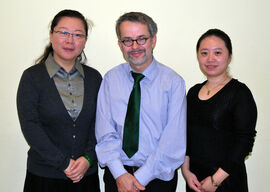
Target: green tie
x=131 y=127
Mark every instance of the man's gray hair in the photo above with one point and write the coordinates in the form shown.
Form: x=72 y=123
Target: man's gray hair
x=137 y=17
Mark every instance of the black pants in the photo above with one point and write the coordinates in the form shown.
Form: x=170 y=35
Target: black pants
x=34 y=183
x=155 y=185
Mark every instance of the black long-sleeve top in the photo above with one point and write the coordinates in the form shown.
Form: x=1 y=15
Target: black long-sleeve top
x=221 y=129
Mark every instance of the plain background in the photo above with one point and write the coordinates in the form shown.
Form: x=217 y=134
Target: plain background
x=24 y=34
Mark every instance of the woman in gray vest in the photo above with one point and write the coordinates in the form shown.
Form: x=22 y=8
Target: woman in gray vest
x=56 y=103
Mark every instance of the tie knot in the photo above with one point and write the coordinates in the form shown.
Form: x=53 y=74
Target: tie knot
x=137 y=77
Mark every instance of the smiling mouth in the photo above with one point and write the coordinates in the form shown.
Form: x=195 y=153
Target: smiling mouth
x=136 y=53
x=211 y=66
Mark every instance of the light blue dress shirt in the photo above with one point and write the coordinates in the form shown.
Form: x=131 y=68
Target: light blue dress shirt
x=162 y=136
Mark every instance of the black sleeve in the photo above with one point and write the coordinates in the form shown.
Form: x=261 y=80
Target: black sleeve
x=244 y=113
x=96 y=79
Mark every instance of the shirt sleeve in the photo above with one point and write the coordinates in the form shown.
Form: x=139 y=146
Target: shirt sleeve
x=244 y=121
x=27 y=105
x=108 y=146
x=170 y=152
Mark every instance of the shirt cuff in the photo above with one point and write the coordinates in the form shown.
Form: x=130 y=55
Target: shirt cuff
x=116 y=168
x=143 y=176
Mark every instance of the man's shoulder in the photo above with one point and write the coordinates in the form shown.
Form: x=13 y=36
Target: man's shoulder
x=117 y=71
x=168 y=73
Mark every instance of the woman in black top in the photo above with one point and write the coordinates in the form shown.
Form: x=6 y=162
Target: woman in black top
x=221 y=122
x=56 y=104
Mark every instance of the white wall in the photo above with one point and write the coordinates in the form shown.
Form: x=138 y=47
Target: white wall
x=24 y=33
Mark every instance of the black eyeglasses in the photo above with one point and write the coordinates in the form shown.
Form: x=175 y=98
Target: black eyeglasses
x=65 y=35
x=139 y=41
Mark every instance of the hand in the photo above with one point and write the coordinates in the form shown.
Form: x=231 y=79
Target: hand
x=76 y=170
x=206 y=185
x=68 y=169
x=128 y=183
x=191 y=180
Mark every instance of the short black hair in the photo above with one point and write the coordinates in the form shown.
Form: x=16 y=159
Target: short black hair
x=217 y=33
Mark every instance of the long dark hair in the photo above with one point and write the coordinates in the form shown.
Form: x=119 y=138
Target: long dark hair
x=64 y=13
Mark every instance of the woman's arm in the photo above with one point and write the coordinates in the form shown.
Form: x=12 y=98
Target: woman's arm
x=190 y=177
x=28 y=104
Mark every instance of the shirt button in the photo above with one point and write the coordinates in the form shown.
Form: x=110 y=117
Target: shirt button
x=74 y=125
x=72 y=156
x=74 y=136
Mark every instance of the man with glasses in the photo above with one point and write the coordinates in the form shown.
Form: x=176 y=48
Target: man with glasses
x=141 y=114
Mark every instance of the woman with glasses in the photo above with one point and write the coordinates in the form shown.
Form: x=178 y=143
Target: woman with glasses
x=221 y=120
x=56 y=103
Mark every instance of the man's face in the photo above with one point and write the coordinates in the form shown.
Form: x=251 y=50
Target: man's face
x=137 y=55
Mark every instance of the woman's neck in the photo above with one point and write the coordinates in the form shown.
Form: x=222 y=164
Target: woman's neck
x=213 y=82
x=66 y=64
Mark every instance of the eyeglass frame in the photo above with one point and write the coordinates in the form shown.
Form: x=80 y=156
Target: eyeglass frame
x=132 y=41
x=67 y=34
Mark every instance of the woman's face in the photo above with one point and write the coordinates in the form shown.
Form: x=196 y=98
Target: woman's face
x=213 y=56
x=68 y=40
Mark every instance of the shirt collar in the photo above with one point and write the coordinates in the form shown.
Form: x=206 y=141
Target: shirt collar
x=150 y=72
x=53 y=67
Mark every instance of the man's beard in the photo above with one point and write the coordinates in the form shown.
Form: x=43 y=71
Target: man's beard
x=136 y=62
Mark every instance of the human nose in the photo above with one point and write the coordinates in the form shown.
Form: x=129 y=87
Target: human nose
x=134 y=45
x=70 y=38
x=211 y=57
